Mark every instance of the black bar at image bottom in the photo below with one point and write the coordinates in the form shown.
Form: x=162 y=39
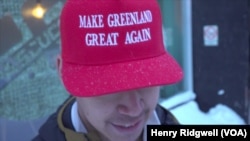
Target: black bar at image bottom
x=198 y=132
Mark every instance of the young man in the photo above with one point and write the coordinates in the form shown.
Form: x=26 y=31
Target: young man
x=112 y=63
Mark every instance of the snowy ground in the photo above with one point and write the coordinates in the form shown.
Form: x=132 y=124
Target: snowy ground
x=189 y=112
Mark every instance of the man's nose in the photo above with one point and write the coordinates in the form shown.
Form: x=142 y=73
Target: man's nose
x=131 y=104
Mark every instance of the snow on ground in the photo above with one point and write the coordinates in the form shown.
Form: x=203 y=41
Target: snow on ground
x=189 y=113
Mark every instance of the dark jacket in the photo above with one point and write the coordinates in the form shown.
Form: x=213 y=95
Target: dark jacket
x=59 y=127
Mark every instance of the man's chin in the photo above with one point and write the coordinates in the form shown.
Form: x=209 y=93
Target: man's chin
x=127 y=132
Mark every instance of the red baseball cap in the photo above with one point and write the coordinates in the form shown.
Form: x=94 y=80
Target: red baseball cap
x=114 y=45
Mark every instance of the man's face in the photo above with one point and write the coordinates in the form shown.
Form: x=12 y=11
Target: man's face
x=119 y=116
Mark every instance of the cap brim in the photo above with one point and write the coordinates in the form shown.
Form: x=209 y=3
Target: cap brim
x=89 y=81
